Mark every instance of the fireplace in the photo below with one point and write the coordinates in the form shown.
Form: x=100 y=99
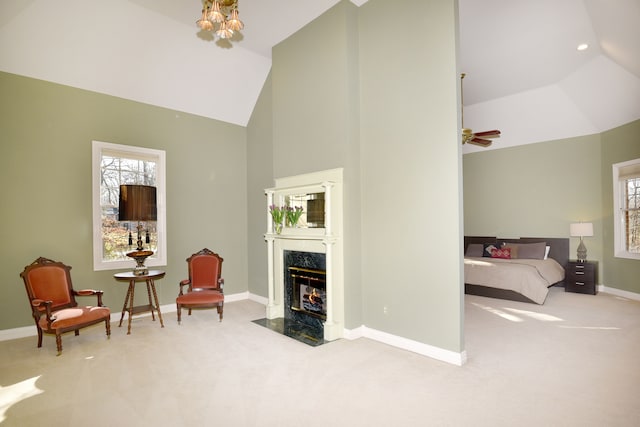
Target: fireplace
x=305 y=292
x=305 y=262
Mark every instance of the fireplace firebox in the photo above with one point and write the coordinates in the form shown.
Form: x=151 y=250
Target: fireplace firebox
x=309 y=295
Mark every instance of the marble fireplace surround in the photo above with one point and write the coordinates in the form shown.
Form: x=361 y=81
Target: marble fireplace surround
x=327 y=241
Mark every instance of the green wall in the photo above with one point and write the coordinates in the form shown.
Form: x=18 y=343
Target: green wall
x=259 y=177
x=384 y=109
x=315 y=121
x=411 y=180
x=618 y=145
x=537 y=190
x=45 y=165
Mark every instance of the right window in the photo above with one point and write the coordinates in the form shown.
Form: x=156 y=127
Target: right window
x=626 y=209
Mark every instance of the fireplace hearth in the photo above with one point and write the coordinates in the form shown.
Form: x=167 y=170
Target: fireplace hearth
x=292 y=329
x=305 y=298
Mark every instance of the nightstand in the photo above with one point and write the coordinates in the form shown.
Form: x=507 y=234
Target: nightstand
x=581 y=277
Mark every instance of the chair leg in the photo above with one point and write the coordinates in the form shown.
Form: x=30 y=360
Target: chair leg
x=220 y=309
x=107 y=324
x=59 y=343
x=179 y=312
x=39 y=336
x=77 y=332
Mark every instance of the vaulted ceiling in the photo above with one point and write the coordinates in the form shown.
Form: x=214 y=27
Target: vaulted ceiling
x=524 y=73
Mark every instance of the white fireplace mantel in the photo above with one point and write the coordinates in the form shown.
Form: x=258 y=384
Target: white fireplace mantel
x=327 y=240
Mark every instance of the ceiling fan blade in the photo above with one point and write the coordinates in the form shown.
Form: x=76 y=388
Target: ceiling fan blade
x=480 y=142
x=489 y=133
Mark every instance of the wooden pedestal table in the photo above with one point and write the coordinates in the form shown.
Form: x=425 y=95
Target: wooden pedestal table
x=149 y=278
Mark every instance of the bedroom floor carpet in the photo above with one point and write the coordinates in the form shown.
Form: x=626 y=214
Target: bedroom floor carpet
x=570 y=362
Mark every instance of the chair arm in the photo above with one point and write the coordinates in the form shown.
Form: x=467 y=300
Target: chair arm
x=185 y=282
x=85 y=292
x=42 y=307
x=90 y=292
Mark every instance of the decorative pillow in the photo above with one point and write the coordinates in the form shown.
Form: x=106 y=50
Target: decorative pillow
x=474 y=250
x=487 y=248
x=532 y=250
x=503 y=252
x=513 y=247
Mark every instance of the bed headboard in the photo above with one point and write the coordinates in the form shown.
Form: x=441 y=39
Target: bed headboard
x=559 y=245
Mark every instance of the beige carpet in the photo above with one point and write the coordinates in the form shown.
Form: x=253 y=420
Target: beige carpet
x=572 y=362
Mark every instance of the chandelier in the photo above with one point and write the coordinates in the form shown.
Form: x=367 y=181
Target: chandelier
x=221 y=17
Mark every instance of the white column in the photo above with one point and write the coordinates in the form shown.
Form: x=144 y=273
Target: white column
x=269 y=217
x=271 y=306
x=327 y=207
x=329 y=282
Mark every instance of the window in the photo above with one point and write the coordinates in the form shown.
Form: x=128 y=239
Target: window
x=626 y=209
x=113 y=165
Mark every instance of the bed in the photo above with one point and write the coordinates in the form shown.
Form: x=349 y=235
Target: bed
x=515 y=269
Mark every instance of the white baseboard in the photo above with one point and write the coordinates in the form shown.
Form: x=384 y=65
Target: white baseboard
x=259 y=299
x=619 y=292
x=30 y=331
x=437 y=353
x=15 y=333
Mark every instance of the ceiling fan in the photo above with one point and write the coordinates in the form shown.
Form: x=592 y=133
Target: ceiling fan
x=475 y=138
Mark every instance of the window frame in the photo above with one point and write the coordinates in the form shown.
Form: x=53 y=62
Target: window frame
x=159 y=258
x=619 y=196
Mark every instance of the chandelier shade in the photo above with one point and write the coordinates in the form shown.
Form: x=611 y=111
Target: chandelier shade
x=220 y=17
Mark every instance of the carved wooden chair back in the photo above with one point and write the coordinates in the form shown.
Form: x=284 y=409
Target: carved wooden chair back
x=53 y=304
x=205 y=269
x=205 y=285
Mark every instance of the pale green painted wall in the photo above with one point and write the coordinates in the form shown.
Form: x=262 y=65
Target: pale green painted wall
x=537 y=190
x=411 y=209
x=259 y=177
x=384 y=109
x=316 y=123
x=618 y=145
x=45 y=167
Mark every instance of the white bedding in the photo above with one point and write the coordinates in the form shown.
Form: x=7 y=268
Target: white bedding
x=529 y=277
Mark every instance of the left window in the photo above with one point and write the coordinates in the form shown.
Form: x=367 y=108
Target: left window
x=113 y=165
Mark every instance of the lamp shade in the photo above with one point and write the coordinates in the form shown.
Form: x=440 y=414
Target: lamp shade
x=581 y=229
x=137 y=203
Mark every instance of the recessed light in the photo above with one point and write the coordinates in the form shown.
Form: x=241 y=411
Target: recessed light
x=583 y=46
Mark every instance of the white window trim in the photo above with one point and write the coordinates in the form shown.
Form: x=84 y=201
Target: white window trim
x=620 y=250
x=160 y=257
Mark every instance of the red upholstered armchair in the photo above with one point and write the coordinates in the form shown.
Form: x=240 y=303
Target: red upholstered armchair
x=53 y=304
x=205 y=286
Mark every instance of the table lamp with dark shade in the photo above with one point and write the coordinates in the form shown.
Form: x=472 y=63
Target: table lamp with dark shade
x=138 y=203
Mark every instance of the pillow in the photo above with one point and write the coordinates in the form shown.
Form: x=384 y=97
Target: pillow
x=514 y=249
x=487 y=248
x=504 y=253
x=532 y=250
x=474 y=249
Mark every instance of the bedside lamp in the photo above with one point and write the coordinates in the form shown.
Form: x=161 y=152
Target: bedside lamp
x=581 y=229
x=138 y=203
